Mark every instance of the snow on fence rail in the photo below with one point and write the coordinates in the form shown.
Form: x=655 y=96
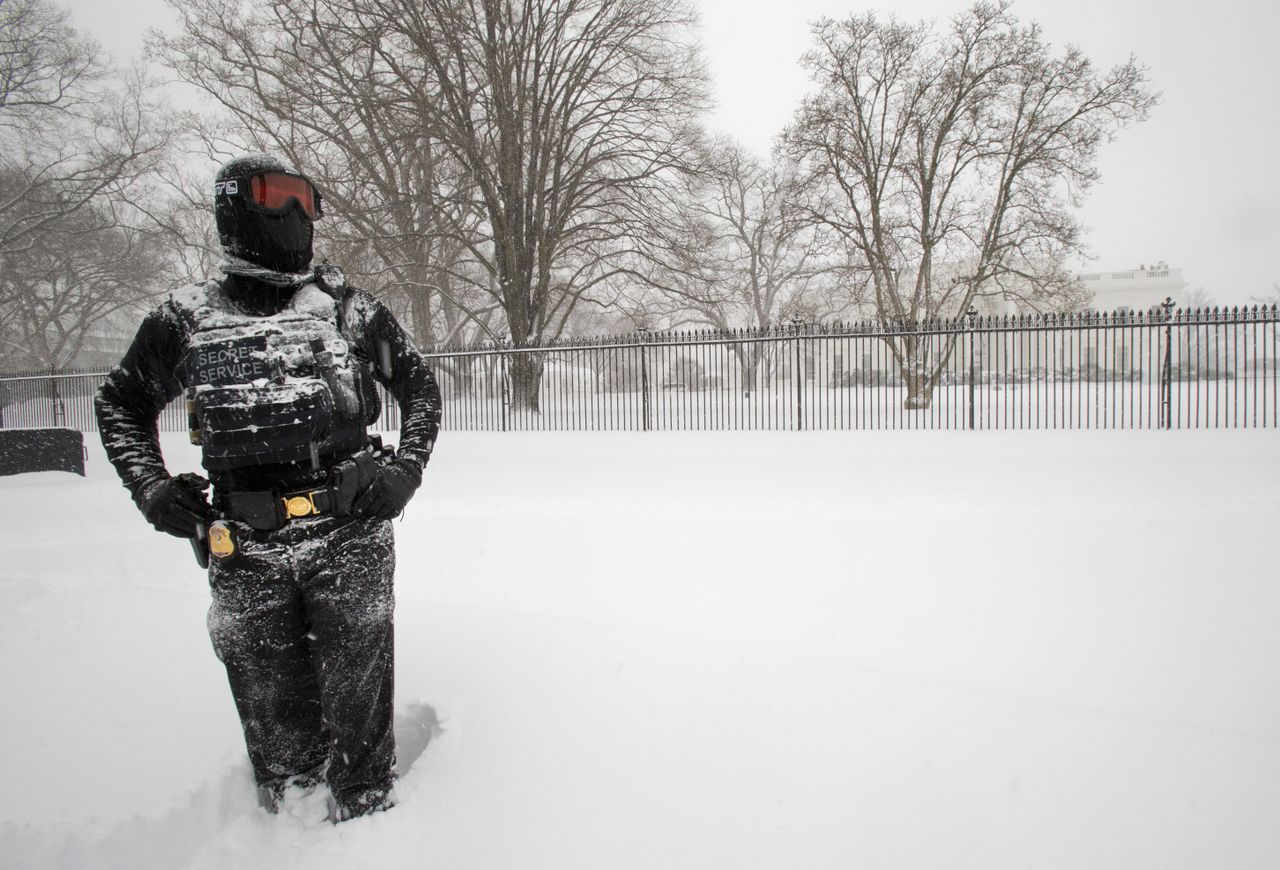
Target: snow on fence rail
x=1210 y=368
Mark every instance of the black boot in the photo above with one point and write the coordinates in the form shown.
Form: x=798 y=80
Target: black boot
x=271 y=794
x=360 y=803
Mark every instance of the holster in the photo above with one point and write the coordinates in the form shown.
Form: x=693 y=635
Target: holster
x=266 y=510
x=351 y=477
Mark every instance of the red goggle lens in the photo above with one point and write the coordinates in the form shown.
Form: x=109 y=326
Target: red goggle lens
x=274 y=190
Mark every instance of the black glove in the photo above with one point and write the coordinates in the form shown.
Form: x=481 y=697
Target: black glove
x=175 y=504
x=390 y=491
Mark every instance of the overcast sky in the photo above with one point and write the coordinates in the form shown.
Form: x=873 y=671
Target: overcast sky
x=1197 y=185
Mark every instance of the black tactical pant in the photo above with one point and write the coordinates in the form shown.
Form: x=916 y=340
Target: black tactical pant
x=302 y=619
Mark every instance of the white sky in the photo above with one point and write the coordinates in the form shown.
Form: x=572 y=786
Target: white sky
x=1197 y=185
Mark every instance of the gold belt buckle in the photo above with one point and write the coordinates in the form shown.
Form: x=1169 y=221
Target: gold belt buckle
x=300 y=506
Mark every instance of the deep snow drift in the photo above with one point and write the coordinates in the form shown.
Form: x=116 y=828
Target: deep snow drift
x=774 y=650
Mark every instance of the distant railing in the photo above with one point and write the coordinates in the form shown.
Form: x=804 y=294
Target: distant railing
x=65 y=399
x=1211 y=368
x=1204 y=368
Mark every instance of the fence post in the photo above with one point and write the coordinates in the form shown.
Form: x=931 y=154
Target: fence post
x=644 y=376
x=502 y=358
x=1166 y=373
x=797 y=326
x=59 y=410
x=972 y=314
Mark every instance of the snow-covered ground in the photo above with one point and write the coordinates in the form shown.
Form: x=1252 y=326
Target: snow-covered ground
x=773 y=650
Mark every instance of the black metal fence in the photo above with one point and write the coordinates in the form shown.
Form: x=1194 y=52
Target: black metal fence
x=1210 y=368
x=1163 y=369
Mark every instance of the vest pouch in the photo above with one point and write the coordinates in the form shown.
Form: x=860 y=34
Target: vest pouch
x=258 y=425
x=370 y=401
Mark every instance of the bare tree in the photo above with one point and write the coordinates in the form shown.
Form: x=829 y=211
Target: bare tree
x=179 y=213
x=504 y=146
x=77 y=141
x=572 y=118
x=296 y=79
x=73 y=274
x=70 y=130
x=949 y=163
x=767 y=262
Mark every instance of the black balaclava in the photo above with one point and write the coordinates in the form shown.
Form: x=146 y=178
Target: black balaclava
x=278 y=243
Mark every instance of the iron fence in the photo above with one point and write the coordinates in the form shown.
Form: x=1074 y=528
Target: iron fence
x=1204 y=368
x=1162 y=369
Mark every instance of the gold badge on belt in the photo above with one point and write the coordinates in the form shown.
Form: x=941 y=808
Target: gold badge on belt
x=222 y=542
x=300 y=506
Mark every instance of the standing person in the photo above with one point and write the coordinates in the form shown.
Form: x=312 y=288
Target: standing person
x=278 y=362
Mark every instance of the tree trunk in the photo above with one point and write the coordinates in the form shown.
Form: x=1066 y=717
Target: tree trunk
x=919 y=391
x=916 y=372
x=525 y=372
x=749 y=359
x=921 y=360
x=421 y=315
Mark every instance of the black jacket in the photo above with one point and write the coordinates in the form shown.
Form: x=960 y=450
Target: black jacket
x=152 y=374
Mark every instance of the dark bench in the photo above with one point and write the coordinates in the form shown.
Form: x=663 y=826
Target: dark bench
x=23 y=450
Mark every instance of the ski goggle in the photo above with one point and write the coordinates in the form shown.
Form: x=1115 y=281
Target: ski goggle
x=273 y=192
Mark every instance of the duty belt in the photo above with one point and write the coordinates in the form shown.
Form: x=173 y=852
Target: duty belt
x=267 y=511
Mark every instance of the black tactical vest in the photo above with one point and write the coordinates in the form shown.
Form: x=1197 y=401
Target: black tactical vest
x=270 y=389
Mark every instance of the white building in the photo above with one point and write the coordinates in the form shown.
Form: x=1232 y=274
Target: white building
x=1136 y=290
x=1139 y=289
